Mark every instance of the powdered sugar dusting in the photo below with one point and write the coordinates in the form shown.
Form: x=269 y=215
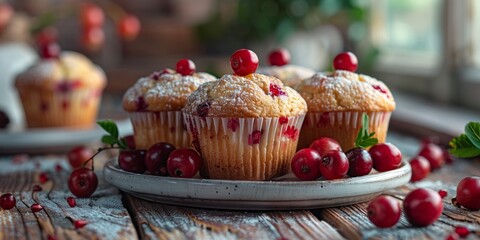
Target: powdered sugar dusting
x=168 y=91
x=291 y=75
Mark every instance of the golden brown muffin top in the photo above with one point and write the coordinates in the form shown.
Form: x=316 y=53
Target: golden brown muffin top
x=70 y=70
x=290 y=75
x=163 y=91
x=345 y=91
x=254 y=95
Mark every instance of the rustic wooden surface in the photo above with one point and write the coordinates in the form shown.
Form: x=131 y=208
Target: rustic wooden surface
x=111 y=217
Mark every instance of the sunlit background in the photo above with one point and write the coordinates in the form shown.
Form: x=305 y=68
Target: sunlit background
x=427 y=48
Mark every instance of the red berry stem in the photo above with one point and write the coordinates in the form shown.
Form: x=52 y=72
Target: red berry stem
x=94 y=155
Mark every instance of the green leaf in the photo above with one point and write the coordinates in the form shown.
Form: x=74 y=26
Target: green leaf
x=472 y=130
x=462 y=147
x=108 y=139
x=110 y=127
x=364 y=138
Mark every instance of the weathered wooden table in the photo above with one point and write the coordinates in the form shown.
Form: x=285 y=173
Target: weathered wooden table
x=113 y=215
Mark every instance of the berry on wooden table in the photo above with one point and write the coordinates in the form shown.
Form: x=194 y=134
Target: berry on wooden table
x=420 y=168
x=422 y=207
x=79 y=155
x=384 y=211
x=468 y=193
x=82 y=182
x=244 y=62
x=434 y=154
x=7 y=201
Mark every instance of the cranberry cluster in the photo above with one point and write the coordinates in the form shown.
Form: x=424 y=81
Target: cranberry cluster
x=325 y=158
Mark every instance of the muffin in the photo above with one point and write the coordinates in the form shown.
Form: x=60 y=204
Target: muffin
x=245 y=127
x=61 y=92
x=280 y=68
x=336 y=102
x=154 y=104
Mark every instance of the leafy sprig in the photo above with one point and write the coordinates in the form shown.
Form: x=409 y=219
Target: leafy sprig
x=467 y=145
x=364 y=138
x=112 y=138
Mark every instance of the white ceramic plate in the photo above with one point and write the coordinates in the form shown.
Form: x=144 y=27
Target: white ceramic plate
x=50 y=140
x=286 y=193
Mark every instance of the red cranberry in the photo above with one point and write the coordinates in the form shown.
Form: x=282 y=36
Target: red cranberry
x=244 y=62
x=462 y=231
x=47 y=36
x=359 y=161
x=430 y=139
x=128 y=27
x=93 y=38
x=233 y=124
x=422 y=207
x=345 y=61
x=51 y=237
x=385 y=157
x=283 y=120
x=156 y=158
x=443 y=193
x=334 y=165
x=7 y=201
x=91 y=15
x=71 y=202
x=325 y=144
x=452 y=236
x=255 y=137
x=306 y=164
x=291 y=132
x=384 y=211
x=468 y=193
x=129 y=141
x=82 y=182
x=434 y=154
x=36 y=207
x=446 y=155
x=6 y=14
x=58 y=167
x=420 y=168
x=43 y=177
x=51 y=50
x=279 y=57
x=183 y=163
x=79 y=223
x=37 y=188
x=185 y=67
x=79 y=155
x=132 y=160
x=4 y=120
x=276 y=91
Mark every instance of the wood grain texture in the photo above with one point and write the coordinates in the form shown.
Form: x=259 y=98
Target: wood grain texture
x=107 y=218
x=161 y=221
x=352 y=221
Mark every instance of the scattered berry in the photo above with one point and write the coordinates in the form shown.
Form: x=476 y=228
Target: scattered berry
x=132 y=160
x=324 y=145
x=452 y=236
x=345 y=61
x=129 y=141
x=128 y=27
x=443 y=193
x=91 y=16
x=156 y=158
x=422 y=207
x=385 y=157
x=71 y=202
x=43 y=177
x=334 y=165
x=183 y=163
x=185 y=67
x=279 y=57
x=462 y=231
x=7 y=201
x=468 y=193
x=36 y=207
x=384 y=211
x=93 y=38
x=58 y=167
x=82 y=182
x=359 y=161
x=80 y=223
x=6 y=14
x=51 y=50
x=434 y=154
x=244 y=62
x=37 y=188
x=47 y=36
x=79 y=155
x=306 y=164
x=420 y=168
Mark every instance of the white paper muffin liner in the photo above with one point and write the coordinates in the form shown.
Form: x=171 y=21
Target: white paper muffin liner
x=342 y=126
x=244 y=148
x=77 y=108
x=153 y=127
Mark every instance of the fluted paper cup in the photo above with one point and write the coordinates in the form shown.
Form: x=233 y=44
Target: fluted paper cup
x=153 y=127
x=342 y=126
x=75 y=109
x=244 y=148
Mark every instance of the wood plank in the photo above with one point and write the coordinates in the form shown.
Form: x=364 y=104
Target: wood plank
x=352 y=221
x=106 y=216
x=162 y=221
